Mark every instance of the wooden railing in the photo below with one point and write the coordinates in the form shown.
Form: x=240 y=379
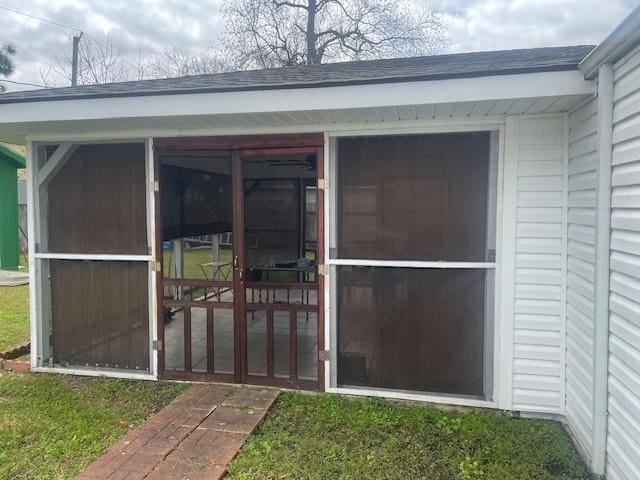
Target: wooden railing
x=259 y=297
x=282 y=297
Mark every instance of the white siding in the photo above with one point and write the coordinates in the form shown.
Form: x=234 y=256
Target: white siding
x=581 y=233
x=538 y=309
x=623 y=440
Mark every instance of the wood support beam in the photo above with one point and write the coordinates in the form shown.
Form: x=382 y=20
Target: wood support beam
x=55 y=163
x=244 y=142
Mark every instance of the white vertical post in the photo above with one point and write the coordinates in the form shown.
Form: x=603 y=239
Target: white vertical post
x=42 y=242
x=489 y=303
x=603 y=234
x=497 y=277
x=330 y=330
x=507 y=262
x=564 y=265
x=215 y=247
x=155 y=255
x=178 y=262
x=32 y=166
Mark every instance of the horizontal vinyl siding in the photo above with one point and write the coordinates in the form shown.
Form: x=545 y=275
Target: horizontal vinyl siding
x=581 y=234
x=538 y=304
x=623 y=440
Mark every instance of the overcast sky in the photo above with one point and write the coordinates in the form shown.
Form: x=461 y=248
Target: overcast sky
x=142 y=26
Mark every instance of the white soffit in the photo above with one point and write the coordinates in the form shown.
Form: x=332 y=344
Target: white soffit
x=304 y=109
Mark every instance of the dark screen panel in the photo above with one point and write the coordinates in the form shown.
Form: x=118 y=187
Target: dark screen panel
x=274 y=228
x=413 y=197
x=195 y=202
x=100 y=313
x=97 y=202
x=411 y=329
x=272 y=214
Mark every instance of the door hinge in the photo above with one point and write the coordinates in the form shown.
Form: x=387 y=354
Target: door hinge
x=323 y=269
x=323 y=184
x=324 y=355
x=156 y=266
x=154 y=186
x=157 y=345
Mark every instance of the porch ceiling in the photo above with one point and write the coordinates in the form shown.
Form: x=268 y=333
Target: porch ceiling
x=311 y=120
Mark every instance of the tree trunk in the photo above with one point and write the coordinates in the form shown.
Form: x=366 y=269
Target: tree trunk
x=312 y=52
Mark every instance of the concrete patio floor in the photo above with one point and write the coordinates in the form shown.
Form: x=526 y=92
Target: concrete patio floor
x=13 y=278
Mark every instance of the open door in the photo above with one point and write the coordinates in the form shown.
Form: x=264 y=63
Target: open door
x=240 y=241
x=280 y=265
x=199 y=275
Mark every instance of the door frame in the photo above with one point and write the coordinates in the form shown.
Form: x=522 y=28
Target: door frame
x=240 y=147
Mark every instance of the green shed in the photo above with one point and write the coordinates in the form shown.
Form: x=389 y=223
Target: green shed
x=10 y=162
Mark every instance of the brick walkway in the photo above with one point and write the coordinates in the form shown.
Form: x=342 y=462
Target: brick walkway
x=194 y=437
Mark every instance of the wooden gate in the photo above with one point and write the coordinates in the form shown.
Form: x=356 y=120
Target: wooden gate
x=241 y=330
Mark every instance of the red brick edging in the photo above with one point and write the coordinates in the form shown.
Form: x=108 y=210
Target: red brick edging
x=15 y=365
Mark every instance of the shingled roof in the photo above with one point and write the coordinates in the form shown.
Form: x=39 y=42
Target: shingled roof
x=433 y=67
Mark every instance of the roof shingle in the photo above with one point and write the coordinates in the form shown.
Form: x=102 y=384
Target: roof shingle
x=433 y=67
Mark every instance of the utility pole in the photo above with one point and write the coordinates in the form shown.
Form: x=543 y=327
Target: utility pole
x=74 y=59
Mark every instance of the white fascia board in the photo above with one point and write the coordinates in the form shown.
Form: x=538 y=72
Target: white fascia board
x=497 y=87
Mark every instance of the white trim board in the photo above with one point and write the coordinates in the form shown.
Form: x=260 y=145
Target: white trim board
x=56 y=162
x=506 y=287
x=34 y=323
x=416 y=397
x=411 y=264
x=94 y=256
x=94 y=372
x=151 y=177
x=496 y=87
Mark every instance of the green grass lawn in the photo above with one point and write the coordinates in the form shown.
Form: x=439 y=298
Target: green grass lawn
x=53 y=426
x=14 y=316
x=192 y=261
x=333 y=437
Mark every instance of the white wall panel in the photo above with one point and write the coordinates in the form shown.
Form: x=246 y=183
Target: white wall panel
x=623 y=440
x=538 y=310
x=581 y=235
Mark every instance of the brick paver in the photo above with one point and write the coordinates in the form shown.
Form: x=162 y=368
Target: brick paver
x=194 y=437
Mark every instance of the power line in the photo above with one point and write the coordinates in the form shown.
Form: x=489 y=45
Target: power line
x=17 y=12
x=62 y=25
x=21 y=83
x=70 y=27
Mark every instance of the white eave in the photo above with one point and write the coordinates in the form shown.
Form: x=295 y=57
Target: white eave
x=617 y=44
x=542 y=92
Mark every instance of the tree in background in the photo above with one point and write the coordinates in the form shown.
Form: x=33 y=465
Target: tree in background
x=6 y=64
x=174 y=61
x=274 y=33
x=269 y=34
x=98 y=62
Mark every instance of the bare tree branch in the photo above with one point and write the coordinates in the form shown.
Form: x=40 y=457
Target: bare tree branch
x=174 y=61
x=290 y=4
x=270 y=33
x=98 y=62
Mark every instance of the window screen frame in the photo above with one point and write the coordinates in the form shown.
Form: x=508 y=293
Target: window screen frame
x=492 y=306
x=40 y=257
